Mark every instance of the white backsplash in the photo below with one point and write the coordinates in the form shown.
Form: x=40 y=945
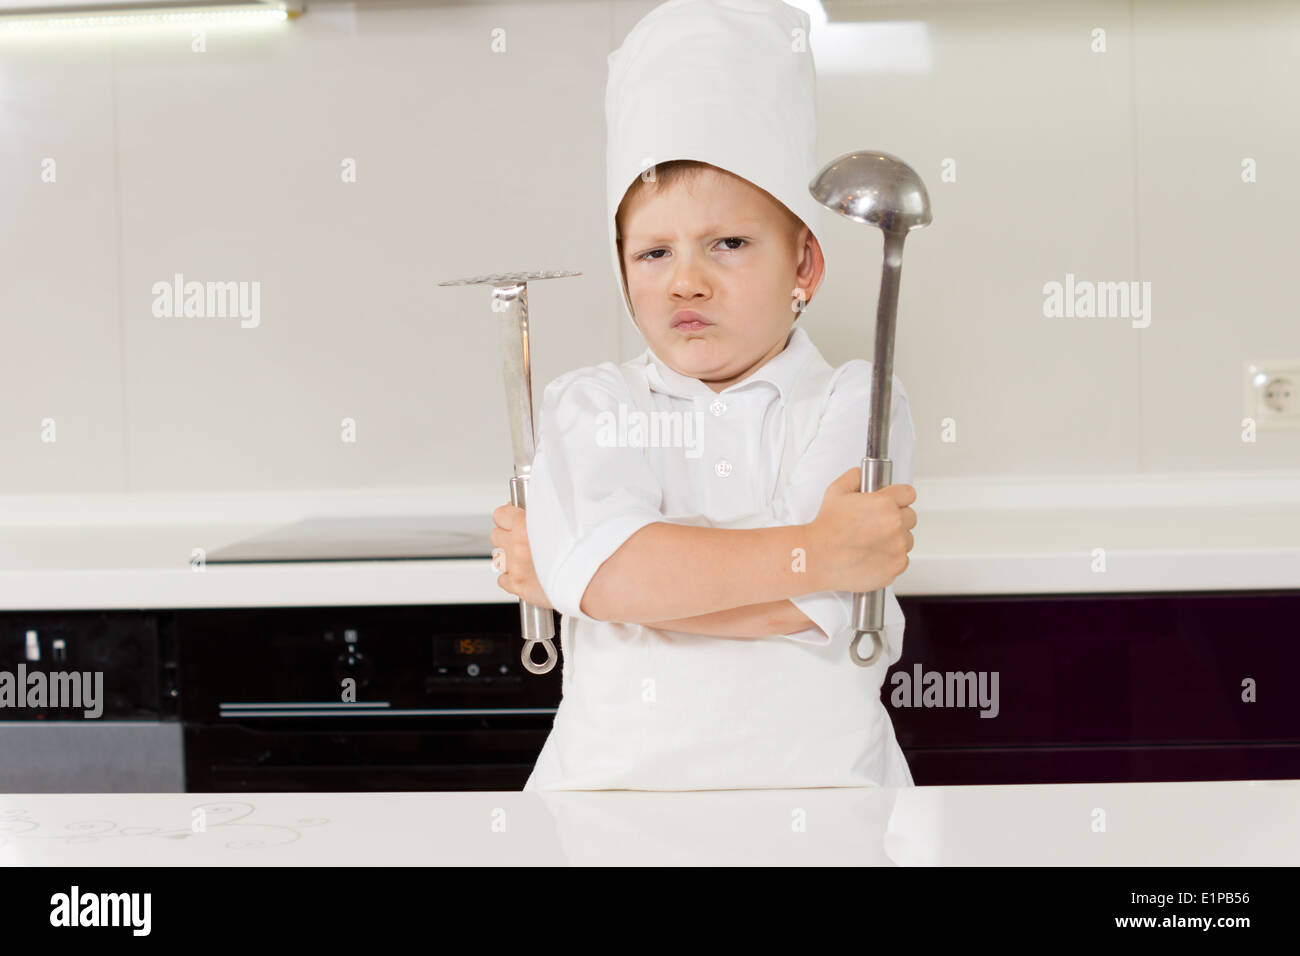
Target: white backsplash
x=1115 y=166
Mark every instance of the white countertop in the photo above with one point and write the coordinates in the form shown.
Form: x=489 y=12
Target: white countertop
x=995 y=537
x=1231 y=823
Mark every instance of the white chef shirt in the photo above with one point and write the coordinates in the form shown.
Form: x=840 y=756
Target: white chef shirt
x=586 y=499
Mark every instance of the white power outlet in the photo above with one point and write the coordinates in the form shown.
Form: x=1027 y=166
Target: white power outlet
x=1273 y=393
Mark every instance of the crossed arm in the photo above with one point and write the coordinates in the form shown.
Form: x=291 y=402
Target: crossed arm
x=715 y=581
x=751 y=621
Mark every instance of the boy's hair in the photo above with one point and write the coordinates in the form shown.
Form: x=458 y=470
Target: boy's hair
x=670 y=174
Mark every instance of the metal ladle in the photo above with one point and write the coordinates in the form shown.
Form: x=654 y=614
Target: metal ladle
x=883 y=191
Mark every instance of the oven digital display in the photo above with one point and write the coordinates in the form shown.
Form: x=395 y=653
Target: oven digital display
x=458 y=650
x=474 y=646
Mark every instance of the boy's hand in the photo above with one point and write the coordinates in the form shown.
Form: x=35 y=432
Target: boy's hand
x=860 y=539
x=512 y=556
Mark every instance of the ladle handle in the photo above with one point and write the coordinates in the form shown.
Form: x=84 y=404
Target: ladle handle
x=877 y=469
x=869 y=606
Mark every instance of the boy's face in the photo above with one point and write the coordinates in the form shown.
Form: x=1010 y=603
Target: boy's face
x=722 y=247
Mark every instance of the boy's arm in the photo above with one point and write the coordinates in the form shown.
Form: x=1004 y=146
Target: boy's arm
x=753 y=620
x=667 y=571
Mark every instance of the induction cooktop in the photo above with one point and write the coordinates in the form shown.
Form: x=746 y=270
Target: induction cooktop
x=387 y=538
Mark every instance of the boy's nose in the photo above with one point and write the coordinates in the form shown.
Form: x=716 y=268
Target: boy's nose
x=689 y=280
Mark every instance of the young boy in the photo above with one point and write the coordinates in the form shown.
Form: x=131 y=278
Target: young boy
x=705 y=569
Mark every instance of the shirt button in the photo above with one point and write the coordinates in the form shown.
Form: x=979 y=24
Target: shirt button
x=718 y=407
x=722 y=469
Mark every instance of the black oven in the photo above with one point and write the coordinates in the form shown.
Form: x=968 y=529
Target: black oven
x=360 y=698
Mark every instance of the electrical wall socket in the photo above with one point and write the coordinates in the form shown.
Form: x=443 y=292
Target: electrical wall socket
x=1273 y=394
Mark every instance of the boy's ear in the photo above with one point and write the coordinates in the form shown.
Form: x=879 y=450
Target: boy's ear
x=811 y=262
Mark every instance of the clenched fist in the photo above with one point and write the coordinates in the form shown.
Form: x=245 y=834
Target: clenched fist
x=860 y=539
x=512 y=556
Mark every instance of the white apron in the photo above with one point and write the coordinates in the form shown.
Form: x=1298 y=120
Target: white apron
x=650 y=709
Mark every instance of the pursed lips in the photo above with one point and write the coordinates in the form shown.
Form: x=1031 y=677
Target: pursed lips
x=689 y=315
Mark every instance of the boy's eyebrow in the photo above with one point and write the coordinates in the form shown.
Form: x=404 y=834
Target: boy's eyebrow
x=710 y=231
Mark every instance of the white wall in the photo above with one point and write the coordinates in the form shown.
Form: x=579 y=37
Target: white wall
x=225 y=165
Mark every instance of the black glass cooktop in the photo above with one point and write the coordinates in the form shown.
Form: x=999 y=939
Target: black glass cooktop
x=366 y=539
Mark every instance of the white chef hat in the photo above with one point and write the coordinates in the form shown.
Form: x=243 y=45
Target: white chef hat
x=726 y=82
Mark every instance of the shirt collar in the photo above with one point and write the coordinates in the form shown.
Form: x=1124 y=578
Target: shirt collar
x=780 y=372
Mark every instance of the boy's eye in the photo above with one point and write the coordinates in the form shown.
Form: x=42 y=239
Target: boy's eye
x=648 y=255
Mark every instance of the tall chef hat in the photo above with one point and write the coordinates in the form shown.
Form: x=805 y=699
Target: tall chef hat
x=726 y=82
